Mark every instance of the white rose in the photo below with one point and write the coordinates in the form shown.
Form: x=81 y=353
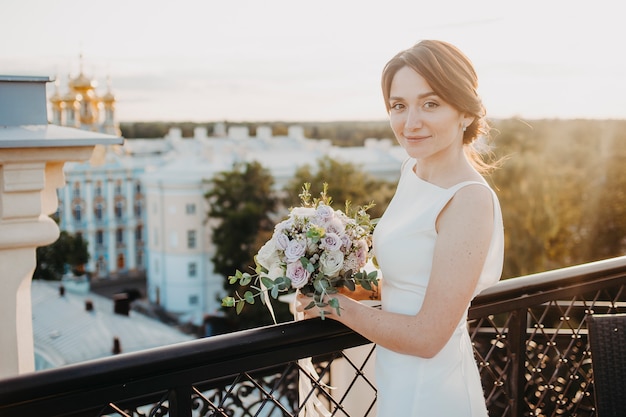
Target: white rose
x=325 y=213
x=302 y=212
x=331 y=263
x=267 y=255
x=294 y=251
x=275 y=271
x=281 y=241
x=335 y=226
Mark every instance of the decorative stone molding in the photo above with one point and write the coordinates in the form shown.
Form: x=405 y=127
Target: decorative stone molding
x=32 y=156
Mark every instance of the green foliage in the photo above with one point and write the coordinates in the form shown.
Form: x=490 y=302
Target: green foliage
x=68 y=252
x=562 y=192
x=240 y=203
x=346 y=181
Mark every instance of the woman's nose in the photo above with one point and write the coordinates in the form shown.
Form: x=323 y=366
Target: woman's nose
x=413 y=120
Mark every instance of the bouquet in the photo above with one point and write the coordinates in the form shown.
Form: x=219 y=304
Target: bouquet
x=317 y=250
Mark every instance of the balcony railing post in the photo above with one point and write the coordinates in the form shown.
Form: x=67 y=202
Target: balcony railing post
x=179 y=400
x=517 y=383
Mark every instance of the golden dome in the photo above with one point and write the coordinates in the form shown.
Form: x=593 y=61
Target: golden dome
x=109 y=97
x=82 y=82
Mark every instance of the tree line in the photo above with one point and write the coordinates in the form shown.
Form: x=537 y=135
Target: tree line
x=561 y=185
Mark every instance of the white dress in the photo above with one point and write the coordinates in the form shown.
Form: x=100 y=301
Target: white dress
x=447 y=385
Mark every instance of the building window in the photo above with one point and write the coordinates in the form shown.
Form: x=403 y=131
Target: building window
x=139 y=234
x=119 y=209
x=119 y=236
x=139 y=259
x=99 y=211
x=138 y=208
x=191 y=239
x=121 y=262
x=137 y=187
x=190 y=208
x=192 y=269
x=76 y=190
x=193 y=300
x=78 y=212
x=99 y=189
x=99 y=237
x=118 y=187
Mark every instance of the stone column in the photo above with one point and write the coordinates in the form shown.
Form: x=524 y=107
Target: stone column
x=32 y=155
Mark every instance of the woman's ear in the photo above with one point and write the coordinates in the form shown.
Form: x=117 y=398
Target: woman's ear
x=468 y=120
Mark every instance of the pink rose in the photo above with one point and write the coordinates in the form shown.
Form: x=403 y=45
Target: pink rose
x=324 y=213
x=298 y=275
x=331 y=242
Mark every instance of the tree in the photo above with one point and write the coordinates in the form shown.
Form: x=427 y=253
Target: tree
x=346 y=182
x=241 y=202
x=68 y=253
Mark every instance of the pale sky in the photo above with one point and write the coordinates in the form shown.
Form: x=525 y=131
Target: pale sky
x=291 y=60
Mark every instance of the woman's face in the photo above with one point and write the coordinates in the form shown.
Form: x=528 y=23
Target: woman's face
x=424 y=125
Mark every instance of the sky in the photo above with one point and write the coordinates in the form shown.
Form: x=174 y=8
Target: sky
x=292 y=60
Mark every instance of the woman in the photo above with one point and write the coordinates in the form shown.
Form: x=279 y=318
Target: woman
x=439 y=243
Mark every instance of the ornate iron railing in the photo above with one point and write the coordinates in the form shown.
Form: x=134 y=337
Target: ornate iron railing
x=529 y=336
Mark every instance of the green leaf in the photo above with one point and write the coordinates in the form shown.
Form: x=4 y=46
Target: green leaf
x=245 y=279
x=366 y=285
x=267 y=282
x=249 y=297
x=350 y=284
x=240 y=307
x=228 y=302
x=334 y=303
x=274 y=292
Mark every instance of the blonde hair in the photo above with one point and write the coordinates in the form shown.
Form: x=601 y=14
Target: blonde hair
x=452 y=77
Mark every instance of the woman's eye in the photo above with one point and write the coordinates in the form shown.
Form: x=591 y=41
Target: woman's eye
x=397 y=106
x=431 y=105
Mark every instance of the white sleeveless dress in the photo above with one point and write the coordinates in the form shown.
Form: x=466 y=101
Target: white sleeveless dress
x=447 y=385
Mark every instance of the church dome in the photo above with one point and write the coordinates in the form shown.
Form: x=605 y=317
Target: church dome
x=82 y=82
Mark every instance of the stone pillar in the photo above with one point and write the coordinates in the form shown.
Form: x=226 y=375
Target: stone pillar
x=32 y=155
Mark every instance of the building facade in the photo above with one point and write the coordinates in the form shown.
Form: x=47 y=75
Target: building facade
x=141 y=206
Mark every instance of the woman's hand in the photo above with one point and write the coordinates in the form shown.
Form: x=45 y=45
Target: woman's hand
x=302 y=301
x=361 y=293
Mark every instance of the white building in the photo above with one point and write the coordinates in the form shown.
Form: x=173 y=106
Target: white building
x=141 y=207
x=180 y=274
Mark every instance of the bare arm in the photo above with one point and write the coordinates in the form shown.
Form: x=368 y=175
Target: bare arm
x=464 y=232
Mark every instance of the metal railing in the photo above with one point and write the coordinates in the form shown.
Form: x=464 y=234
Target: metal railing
x=529 y=337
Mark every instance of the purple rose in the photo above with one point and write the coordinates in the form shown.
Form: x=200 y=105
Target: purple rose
x=331 y=242
x=298 y=274
x=294 y=251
